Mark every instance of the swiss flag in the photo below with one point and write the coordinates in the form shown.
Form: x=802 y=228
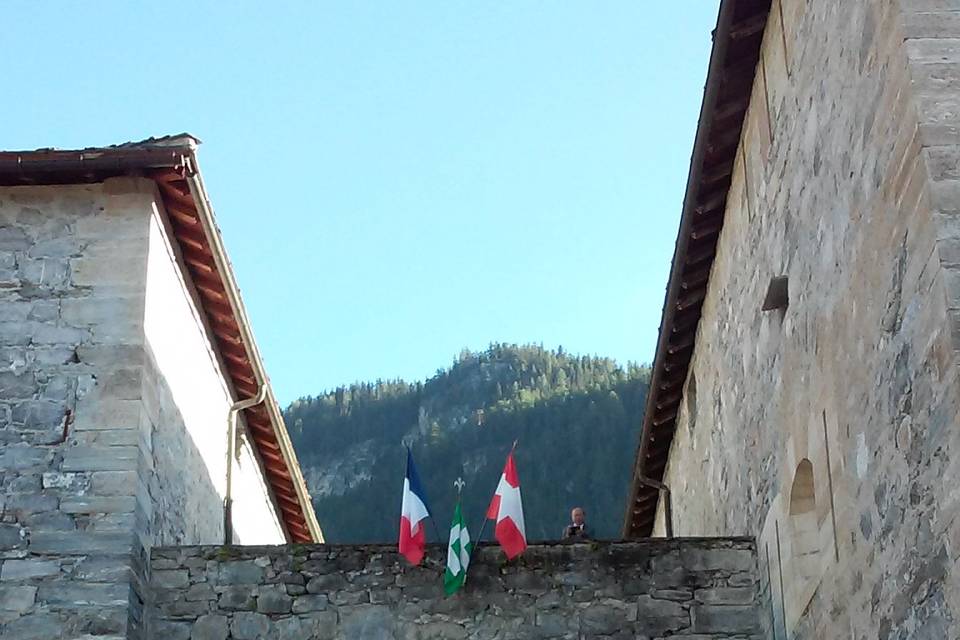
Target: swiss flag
x=507 y=509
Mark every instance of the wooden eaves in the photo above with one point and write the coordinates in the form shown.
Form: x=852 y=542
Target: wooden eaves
x=171 y=163
x=737 y=42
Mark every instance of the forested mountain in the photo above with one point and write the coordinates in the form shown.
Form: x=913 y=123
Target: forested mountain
x=576 y=419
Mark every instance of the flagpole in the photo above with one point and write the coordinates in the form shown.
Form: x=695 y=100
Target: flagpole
x=485 y=518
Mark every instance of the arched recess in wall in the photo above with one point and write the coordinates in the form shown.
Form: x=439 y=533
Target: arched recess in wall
x=805 y=540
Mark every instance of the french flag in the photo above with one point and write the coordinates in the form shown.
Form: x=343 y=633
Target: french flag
x=414 y=511
x=506 y=509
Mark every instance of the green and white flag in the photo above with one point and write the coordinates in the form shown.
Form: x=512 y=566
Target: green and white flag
x=458 y=554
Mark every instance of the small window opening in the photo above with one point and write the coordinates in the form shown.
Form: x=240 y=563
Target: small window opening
x=777 y=294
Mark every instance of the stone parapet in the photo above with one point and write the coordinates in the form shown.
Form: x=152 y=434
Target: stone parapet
x=692 y=589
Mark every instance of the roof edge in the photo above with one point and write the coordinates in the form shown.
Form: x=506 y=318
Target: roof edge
x=737 y=40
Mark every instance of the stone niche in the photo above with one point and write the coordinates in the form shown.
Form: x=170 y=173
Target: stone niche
x=687 y=589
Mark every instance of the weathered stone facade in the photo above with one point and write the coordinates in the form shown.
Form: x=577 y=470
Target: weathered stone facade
x=682 y=589
x=829 y=429
x=104 y=449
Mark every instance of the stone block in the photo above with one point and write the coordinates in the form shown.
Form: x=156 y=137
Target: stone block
x=36 y=626
x=77 y=594
x=373 y=622
x=79 y=542
x=210 y=627
x=704 y=559
x=98 y=504
x=21 y=385
x=25 y=504
x=725 y=619
x=72 y=482
x=89 y=458
x=114 y=483
x=58 y=247
x=292 y=629
x=14 y=239
x=28 y=568
x=44 y=333
x=658 y=617
x=94 y=413
x=238 y=598
x=202 y=591
x=359 y=597
x=726 y=595
x=240 y=572
x=12 y=536
x=326 y=583
x=273 y=599
x=171 y=630
x=18 y=599
x=95 y=568
x=250 y=626
x=171 y=579
x=310 y=602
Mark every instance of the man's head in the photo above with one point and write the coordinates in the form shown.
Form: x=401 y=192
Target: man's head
x=577 y=516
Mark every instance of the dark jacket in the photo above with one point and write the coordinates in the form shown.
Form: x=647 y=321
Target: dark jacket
x=573 y=533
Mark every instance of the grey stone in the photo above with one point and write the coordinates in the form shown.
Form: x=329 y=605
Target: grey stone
x=79 y=542
x=28 y=568
x=695 y=559
x=249 y=626
x=12 y=536
x=172 y=579
x=84 y=594
x=273 y=599
x=36 y=626
x=326 y=583
x=171 y=630
x=240 y=572
x=292 y=629
x=210 y=627
x=372 y=622
x=312 y=602
x=725 y=619
x=202 y=591
x=238 y=598
x=18 y=458
x=19 y=599
x=726 y=595
x=68 y=481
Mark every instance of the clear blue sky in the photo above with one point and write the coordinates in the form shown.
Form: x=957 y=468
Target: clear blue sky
x=399 y=180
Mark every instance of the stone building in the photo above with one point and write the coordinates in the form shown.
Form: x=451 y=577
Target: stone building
x=142 y=444
x=134 y=407
x=805 y=387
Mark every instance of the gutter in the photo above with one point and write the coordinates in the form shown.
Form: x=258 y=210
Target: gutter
x=205 y=214
x=232 y=415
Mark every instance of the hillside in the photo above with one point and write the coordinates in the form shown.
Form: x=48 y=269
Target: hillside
x=577 y=420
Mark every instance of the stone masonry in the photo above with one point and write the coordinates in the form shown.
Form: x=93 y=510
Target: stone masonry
x=99 y=453
x=846 y=402
x=690 y=589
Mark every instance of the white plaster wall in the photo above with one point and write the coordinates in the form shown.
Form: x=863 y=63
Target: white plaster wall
x=189 y=419
x=254 y=518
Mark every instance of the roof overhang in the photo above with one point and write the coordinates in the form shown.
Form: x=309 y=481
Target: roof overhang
x=171 y=162
x=737 y=41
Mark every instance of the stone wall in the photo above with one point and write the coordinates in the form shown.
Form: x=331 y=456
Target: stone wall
x=72 y=267
x=694 y=589
x=828 y=429
x=97 y=461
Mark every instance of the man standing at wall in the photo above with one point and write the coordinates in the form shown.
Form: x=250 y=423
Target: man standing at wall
x=577 y=530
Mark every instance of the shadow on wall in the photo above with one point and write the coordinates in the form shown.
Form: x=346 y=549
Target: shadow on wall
x=187 y=503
